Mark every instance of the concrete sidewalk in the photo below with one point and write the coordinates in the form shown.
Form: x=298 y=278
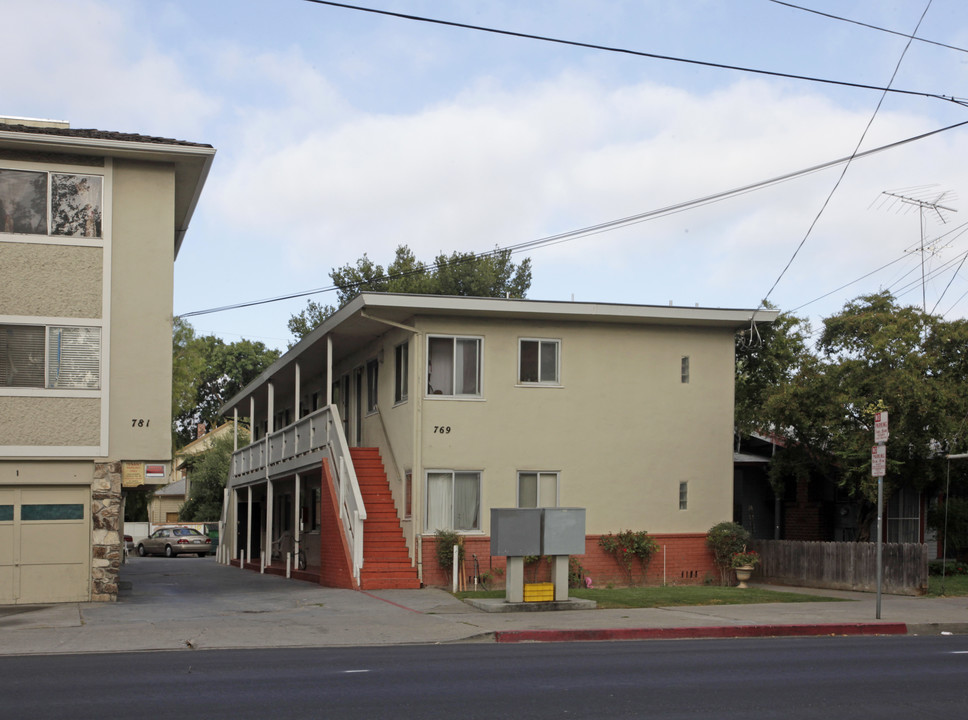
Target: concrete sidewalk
x=242 y=609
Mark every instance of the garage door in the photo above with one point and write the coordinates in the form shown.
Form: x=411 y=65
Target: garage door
x=45 y=544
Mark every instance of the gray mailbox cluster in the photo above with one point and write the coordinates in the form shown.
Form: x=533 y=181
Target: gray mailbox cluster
x=519 y=532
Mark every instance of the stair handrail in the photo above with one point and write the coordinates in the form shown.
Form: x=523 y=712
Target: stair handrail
x=351 y=508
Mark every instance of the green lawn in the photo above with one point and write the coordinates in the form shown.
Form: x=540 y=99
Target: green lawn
x=953 y=585
x=673 y=596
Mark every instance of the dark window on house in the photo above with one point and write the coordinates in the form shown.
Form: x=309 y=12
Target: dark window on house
x=683 y=495
x=74 y=209
x=372 y=383
x=685 y=369
x=401 y=371
x=538 y=361
x=71 y=357
x=454 y=366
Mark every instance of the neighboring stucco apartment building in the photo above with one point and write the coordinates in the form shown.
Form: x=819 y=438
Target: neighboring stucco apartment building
x=90 y=224
x=404 y=414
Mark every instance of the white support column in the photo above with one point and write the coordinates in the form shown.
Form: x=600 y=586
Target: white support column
x=270 y=500
x=235 y=524
x=298 y=391
x=248 y=527
x=298 y=513
x=235 y=429
x=272 y=408
x=329 y=369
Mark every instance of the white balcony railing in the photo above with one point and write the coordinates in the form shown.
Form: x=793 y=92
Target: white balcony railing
x=302 y=444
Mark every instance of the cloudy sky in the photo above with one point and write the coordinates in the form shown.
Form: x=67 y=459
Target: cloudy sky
x=341 y=132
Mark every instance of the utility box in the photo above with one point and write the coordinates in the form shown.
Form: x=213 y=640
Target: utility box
x=563 y=531
x=516 y=532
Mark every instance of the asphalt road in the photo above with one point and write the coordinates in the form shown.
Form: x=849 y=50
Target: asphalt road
x=789 y=678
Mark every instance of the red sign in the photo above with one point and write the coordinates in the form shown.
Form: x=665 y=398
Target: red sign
x=880 y=427
x=879 y=461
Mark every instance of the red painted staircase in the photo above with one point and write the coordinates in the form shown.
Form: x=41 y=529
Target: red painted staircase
x=386 y=562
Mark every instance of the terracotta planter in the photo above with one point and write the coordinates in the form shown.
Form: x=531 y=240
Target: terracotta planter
x=743 y=574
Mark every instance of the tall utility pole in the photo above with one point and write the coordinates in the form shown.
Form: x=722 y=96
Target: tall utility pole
x=921 y=204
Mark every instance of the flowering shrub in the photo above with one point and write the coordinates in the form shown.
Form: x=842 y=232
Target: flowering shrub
x=746 y=558
x=628 y=546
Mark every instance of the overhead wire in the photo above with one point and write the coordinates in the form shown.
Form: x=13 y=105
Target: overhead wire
x=867 y=25
x=600 y=227
x=637 y=53
x=833 y=190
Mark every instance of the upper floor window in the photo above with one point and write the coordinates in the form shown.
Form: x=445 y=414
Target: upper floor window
x=454 y=366
x=52 y=357
x=49 y=203
x=685 y=369
x=538 y=361
x=401 y=370
x=372 y=384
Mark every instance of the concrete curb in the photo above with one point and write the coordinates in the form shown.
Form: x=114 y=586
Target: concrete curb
x=722 y=631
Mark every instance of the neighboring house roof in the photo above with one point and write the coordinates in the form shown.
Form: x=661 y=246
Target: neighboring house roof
x=175 y=489
x=192 y=161
x=748 y=459
x=368 y=315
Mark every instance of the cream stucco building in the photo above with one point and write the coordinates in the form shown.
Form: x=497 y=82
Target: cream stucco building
x=401 y=415
x=90 y=224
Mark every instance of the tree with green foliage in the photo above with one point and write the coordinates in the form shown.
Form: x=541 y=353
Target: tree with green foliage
x=207 y=473
x=725 y=539
x=490 y=275
x=205 y=373
x=874 y=355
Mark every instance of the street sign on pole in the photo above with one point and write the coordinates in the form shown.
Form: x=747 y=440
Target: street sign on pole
x=879 y=460
x=880 y=427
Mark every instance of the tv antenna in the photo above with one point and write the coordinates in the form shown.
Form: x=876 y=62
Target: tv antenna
x=923 y=198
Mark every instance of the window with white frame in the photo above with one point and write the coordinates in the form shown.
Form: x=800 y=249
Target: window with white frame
x=685 y=369
x=50 y=357
x=683 y=495
x=401 y=372
x=372 y=384
x=50 y=203
x=454 y=366
x=538 y=361
x=453 y=500
x=537 y=489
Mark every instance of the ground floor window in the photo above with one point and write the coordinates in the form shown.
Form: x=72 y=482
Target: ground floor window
x=453 y=500
x=537 y=489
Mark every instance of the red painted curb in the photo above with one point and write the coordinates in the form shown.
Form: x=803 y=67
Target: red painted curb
x=724 y=631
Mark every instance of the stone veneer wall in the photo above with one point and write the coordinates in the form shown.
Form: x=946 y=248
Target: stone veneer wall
x=106 y=538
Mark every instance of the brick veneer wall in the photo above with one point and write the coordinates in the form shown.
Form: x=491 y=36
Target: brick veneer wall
x=681 y=560
x=334 y=554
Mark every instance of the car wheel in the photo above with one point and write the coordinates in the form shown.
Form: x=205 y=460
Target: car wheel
x=168 y=551
x=141 y=550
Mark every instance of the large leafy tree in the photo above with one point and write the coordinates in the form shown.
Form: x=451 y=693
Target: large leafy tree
x=206 y=372
x=207 y=472
x=492 y=275
x=874 y=355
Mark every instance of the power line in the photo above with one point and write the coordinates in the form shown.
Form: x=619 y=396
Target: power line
x=606 y=226
x=867 y=25
x=833 y=190
x=636 y=53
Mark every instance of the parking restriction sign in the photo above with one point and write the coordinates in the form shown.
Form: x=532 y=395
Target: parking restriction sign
x=879 y=460
x=880 y=427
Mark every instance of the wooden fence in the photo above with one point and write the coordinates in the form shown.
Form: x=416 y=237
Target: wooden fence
x=844 y=565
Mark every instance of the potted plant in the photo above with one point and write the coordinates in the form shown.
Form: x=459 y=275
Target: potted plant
x=743 y=564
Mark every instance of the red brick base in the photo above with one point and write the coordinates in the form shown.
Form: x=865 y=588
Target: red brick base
x=681 y=560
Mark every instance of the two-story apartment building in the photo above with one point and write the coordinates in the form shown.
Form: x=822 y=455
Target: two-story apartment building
x=402 y=414
x=90 y=224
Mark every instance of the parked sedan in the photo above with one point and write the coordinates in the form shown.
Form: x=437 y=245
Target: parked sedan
x=171 y=541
